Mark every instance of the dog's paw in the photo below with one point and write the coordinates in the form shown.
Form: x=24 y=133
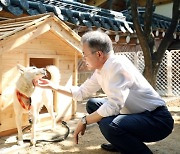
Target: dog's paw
x=54 y=128
x=20 y=142
x=33 y=142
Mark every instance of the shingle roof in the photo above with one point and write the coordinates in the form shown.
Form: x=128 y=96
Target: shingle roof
x=80 y=14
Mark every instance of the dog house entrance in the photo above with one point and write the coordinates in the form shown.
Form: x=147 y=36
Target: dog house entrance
x=39 y=63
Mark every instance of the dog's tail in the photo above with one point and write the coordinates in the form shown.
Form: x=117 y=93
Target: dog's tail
x=55 y=73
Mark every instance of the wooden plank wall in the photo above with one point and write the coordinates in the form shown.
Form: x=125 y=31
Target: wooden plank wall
x=64 y=106
x=46 y=45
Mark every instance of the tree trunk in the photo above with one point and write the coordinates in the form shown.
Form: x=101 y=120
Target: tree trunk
x=151 y=75
x=143 y=40
x=153 y=58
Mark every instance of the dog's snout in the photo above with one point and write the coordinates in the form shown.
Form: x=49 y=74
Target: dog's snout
x=44 y=70
x=30 y=121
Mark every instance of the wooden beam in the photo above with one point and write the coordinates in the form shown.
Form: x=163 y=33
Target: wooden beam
x=96 y=2
x=16 y=24
x=131 y=40
x=140 y=2
x=28 y=56
x=7 y=14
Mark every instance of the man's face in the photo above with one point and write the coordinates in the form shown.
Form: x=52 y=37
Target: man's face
x=90 y=57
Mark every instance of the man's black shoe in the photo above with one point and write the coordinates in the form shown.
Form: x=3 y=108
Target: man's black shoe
x=108 y=147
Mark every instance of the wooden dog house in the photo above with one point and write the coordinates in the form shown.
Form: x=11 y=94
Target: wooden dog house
x=39 y=40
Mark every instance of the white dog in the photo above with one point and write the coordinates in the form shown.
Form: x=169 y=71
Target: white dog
x=29 y=98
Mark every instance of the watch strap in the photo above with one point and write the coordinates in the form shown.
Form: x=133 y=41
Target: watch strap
x=83 y=120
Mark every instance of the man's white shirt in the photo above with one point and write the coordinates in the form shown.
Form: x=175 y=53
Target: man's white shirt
x=126 y=89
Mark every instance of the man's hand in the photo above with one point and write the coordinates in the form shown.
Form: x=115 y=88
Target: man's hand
x=47 y=84
x=91 y=118
x=79 y=129
x=43 y=83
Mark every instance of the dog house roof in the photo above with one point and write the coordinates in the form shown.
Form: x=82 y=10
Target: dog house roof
x=15 y=28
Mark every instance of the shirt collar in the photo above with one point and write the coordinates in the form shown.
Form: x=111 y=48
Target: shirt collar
x=106 y=64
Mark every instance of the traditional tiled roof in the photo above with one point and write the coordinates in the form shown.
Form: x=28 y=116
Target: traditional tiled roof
x=73 y=12
x=79 y=14
x=158 y=21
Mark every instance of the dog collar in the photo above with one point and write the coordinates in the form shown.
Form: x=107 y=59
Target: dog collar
x=27 y=105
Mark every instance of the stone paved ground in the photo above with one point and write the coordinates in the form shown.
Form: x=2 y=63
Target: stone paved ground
x=91 y=141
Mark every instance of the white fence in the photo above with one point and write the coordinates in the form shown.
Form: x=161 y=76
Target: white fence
x=168 y=78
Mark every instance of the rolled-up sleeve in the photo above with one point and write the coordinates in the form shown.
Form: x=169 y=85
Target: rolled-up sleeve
x=107 y=109
x=90 y=86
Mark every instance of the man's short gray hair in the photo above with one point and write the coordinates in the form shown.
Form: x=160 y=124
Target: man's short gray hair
x=97 y=41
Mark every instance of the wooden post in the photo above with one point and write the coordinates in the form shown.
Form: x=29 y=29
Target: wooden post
x=0 y=76
x=0 y=86
x=74 y=103
x=56 y=63
x=136 y=59
x=169 y=74
x=75 y=69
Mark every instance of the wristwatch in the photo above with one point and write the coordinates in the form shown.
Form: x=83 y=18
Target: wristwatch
x=83 y=120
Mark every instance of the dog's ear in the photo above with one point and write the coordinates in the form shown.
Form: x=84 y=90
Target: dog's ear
x=20 y=68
